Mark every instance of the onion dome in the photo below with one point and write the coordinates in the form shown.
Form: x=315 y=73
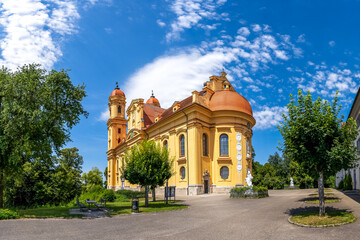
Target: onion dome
x=153 y=100
x=229 y=100
x=117 y=91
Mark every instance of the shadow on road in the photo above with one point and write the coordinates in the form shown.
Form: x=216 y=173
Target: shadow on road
x=354 y=195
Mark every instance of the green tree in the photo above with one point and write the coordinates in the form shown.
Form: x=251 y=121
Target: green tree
x=91 y=179
x=37 y=111
x=147 y=164
x=106 y=177
x=315 y=137
x=39 y=182
x=66 y=180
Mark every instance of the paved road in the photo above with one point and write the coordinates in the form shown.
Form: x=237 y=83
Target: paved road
x=208 y=217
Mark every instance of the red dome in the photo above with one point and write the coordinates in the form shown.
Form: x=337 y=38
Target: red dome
x=229 y=100
x=152 y=100
x=117 y=92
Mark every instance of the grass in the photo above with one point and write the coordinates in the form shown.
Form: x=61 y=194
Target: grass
x=327 y=200
x=331 y=217
x=315 y=195
x=47 y=212
x=121 y=206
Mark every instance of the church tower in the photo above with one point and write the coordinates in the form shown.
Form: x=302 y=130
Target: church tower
x=116 y=132
x=117 y=122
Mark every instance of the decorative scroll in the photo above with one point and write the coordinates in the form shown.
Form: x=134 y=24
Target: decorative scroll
x=238 y=148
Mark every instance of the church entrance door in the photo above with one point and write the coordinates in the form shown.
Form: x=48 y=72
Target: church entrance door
x=206 y=181
x=206 y=186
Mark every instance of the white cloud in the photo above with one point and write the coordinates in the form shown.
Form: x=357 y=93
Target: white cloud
x=104 y=116
x=31 y=30
x=243 y=31
x=281 y=54
x=160 y=23
x=301 y=38
x=256 y=27
x=174 y=77
x=332 y=43
x=269 y=117
x=189 y=13
x=254 y=88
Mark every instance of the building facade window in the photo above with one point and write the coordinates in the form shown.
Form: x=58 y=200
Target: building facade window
x=224 y=145
x=182 y=146
x=358 y=145
x=205 y=145
x=119 y=109
x=119 y=130
x=224 y=172
x=182 y=172
x=165 y=144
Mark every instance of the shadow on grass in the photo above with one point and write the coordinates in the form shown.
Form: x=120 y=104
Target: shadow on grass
x=316 y=198
x=295 y=211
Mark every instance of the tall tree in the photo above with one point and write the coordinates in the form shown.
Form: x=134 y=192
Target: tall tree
x=315 y=137
x=66 y=180
x=37 y=111
x=92 y=178
x=147 y=164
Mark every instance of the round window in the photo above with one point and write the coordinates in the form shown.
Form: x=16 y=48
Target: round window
x=182 y=172
x=224 y=172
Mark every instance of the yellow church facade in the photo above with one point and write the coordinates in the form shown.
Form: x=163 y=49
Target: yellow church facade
x=208 y=134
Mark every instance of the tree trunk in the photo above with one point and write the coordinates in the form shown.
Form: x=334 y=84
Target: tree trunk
x=146 y=196
x=1 y=189
x=153 y=194
x=321 y=195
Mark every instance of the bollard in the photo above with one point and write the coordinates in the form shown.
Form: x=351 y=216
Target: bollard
x=135 y=205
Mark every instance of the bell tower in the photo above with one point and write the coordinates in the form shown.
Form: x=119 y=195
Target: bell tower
x=117 y=122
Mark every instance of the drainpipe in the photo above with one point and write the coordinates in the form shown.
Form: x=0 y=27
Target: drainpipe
x=187 y=150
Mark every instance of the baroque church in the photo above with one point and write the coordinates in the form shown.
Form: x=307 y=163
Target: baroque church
x=208 y=133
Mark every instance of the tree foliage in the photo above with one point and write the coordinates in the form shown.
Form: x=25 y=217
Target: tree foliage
x=315 y=137
x=37 y=111
x=92 y=179
x=39 y=182
x=147 y=164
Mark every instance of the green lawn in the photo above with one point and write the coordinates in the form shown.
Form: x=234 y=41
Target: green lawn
x=119 y=207
x=331 y=217
x=46 y=212
x=159 y=206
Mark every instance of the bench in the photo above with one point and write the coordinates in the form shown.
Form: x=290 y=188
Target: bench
x=101 y=205
x=81 y=206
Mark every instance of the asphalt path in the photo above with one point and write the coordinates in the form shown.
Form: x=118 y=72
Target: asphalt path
x=208 y=217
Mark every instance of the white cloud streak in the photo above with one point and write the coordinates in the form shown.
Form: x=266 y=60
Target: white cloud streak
x=30 y=28
x=190 y=13
x=268 y=117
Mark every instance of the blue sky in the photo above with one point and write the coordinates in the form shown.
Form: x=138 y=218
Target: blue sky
x=269 y=49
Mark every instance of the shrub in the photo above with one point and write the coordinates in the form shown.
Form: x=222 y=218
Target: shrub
x=8 y=214
x=347 y=182
x=130 y=194
x=260 y=189
x=109 y=195
x=341 y=185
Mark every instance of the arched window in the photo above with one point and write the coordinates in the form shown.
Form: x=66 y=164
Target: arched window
x=182 y=146
x=205 y=145
x=119 y=109
x=165 y=144
x=224 y=172
x=182 y=173
x=224 y=145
